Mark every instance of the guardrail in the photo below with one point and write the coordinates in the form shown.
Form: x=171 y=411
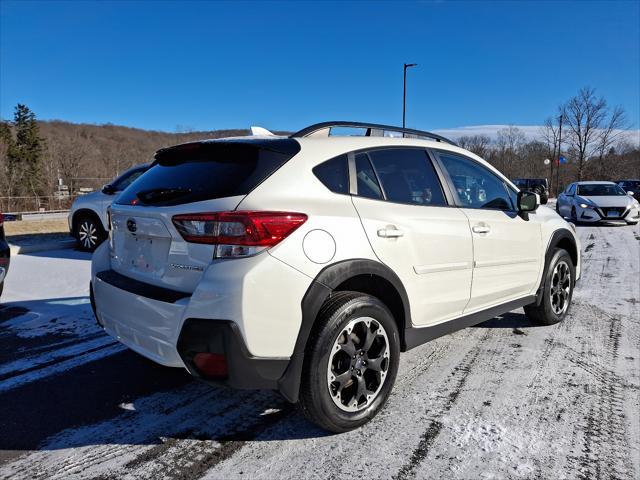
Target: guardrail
x=19 y=205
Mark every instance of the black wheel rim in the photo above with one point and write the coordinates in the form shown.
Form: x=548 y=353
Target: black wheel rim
x=358 y=364
x=88 y=234
x=560 y=288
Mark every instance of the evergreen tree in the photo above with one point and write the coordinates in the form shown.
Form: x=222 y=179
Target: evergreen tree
x=26 y=155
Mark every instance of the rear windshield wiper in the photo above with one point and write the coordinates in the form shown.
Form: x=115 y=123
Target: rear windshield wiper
x=161 y=194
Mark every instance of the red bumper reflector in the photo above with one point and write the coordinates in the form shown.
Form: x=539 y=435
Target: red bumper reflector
x=211 y=364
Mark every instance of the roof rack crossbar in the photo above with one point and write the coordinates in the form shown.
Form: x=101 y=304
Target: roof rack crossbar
x=310 y=130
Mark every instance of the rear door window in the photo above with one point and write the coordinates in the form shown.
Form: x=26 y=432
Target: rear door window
x=407 y=176
x=206 y=171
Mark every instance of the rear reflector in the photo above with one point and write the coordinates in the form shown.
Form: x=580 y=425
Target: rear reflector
x=213 y=365
x=238 y=234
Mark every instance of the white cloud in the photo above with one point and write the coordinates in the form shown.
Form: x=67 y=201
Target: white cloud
x=531 y=132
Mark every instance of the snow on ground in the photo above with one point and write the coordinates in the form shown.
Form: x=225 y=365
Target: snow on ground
x=505 y=399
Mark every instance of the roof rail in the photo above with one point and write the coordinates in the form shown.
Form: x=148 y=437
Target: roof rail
x=373 y=130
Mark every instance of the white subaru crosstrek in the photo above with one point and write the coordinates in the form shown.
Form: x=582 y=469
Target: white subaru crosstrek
x=306 y=264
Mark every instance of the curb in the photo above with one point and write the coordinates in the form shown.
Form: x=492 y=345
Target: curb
x=41 y=247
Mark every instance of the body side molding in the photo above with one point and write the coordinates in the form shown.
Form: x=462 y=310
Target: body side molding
x=417 y=336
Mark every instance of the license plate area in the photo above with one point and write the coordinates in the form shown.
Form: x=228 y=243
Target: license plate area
x=143 y=251
x=613 y=213
x=140 y=254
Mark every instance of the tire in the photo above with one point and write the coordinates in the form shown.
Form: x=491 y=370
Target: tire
x=556 y=301
x=337 y=349
x=89 y=232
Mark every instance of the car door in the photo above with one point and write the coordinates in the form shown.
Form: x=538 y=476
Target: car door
x=413 y=229
x=565 y=200
x=507 y=248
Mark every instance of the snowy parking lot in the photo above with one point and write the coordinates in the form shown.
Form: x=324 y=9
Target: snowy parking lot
x=505 y=399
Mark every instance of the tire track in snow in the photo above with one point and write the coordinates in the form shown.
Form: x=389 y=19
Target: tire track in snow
x=460 y=374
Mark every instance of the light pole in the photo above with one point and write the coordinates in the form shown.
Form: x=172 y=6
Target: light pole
x=404 y=91
x=559 y=155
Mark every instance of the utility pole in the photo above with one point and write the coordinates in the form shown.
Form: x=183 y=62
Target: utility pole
x=404 y=92
x=559 y=155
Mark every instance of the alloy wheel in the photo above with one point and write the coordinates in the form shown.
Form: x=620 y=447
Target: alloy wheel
x=358 y=364
x=88 y=234
x=560 y=288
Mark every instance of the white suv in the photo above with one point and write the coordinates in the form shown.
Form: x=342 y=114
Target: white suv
x=307 y=264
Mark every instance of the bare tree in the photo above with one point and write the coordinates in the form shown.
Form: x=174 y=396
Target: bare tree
x=550 y=134
x=584 y=116
x=478 y=144
x=509 y=143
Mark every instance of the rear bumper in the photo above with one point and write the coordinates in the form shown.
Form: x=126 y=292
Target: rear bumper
x=237 y=310
x=146 y=325
x=223 y=337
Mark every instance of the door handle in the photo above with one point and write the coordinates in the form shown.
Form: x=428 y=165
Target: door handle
x=481 y=228
x=390 y=231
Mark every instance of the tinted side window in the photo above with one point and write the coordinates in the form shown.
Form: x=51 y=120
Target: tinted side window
x=334 y=174
x=474 y=185
x=407 y=176
x=571 y=190
x=368 y=185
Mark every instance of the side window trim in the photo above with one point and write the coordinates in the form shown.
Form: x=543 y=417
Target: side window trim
x=375 y=172
x=353 y=173
x=450 y=185
x=514 y=208
x=443 y=178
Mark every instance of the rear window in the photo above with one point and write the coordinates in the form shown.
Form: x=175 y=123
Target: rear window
x=205 y=171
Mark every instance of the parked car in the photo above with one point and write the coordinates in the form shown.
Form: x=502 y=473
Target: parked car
x=5 y=254
x=535 y=185
x=631 y=186
x=306 y=264
x=88 y=221
x=597 y=201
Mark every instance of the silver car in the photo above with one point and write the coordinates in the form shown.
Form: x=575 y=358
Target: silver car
x=88 y=221
x=591 y=202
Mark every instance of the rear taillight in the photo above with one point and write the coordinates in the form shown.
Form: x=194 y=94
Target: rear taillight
x=1 y=219
x=238 y=234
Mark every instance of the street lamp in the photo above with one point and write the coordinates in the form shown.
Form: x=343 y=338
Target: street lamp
x=404 y=91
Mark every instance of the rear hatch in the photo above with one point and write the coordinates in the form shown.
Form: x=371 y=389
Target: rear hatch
x=202 y=177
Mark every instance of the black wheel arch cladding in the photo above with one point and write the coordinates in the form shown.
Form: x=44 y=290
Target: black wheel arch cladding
x=343 y=276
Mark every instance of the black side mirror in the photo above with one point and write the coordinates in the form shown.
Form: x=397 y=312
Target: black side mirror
x=528 y=202
x=108 y=189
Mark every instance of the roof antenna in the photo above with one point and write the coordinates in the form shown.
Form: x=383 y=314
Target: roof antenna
x=261 y=132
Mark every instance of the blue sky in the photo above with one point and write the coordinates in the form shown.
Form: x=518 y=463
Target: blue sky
x=283 y=65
